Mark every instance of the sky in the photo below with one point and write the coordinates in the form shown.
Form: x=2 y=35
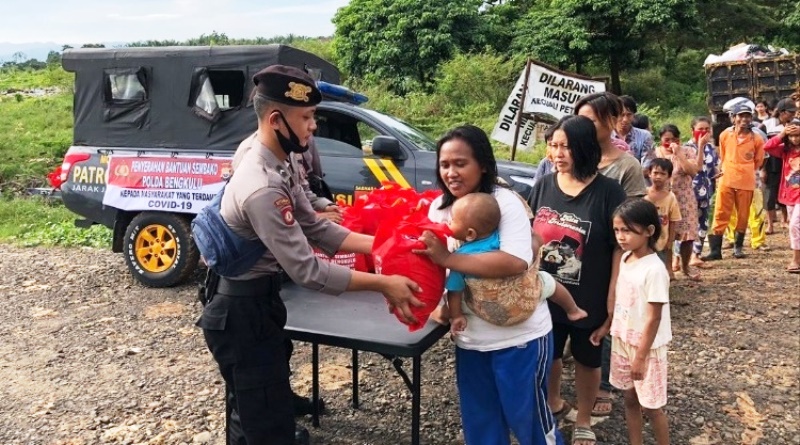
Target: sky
x=99 y=21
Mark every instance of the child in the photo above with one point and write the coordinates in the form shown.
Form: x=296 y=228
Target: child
x=475 y=218
x=686 y=163
x=786 y=145
x=666 y=203
x=641 y=328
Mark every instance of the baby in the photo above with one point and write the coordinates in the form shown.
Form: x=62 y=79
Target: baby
x=500 y=301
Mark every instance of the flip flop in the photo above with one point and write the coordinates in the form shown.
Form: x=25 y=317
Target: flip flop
x=599 y=400
x=583 y=434
x=793 y=269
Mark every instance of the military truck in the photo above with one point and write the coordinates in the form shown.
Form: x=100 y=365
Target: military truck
x=765 y=78
x=155 y=130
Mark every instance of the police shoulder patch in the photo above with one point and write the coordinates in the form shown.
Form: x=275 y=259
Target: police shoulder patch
x=284 y=205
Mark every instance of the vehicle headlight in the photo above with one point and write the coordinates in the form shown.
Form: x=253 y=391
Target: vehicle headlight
x=523 y=179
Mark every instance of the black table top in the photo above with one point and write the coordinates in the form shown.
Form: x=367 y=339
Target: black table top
x=353 y=320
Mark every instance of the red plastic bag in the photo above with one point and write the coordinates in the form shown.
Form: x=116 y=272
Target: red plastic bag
x=391 y=202
x=392 y=252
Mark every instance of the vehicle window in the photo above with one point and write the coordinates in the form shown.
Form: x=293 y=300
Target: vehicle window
x=126 y=95
x=332 y=147
x=227 y=87
x=366 y=134
x=214 y=91
x=420 y=139
x=338 y=127
x=125 y=85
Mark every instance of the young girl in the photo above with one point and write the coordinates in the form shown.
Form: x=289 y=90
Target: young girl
x=640 y=328
x=786 y=145
x=686 y=164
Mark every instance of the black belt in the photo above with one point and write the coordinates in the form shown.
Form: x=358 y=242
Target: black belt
x=266 y=286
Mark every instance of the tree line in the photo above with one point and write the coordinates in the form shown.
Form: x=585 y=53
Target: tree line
x=650 y=49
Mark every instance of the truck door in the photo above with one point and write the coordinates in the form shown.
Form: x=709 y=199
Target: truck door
x=349 y=167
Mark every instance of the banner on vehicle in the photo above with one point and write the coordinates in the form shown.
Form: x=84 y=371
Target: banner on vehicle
x=164 y=183
x=551 y=94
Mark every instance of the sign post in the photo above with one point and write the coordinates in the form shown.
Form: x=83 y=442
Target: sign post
x=522 y=100
x=542 y=94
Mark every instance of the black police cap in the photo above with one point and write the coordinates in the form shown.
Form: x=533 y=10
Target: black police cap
x=287 y=85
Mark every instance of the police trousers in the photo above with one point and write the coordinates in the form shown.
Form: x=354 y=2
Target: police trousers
x=243 y=328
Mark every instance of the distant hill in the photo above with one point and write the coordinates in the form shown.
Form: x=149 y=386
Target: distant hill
x=38 y=50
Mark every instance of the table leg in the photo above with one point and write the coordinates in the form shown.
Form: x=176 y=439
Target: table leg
x=315 y=384
x=415 y=400
x=355 y=378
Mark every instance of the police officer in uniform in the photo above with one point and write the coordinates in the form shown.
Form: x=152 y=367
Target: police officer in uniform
x=243 y=323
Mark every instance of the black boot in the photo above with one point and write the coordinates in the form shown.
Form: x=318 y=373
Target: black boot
x=303 y=405
x=738 y=245
x=715 y=248
x=301 y=436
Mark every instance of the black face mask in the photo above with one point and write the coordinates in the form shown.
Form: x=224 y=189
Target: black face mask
x=292 y=143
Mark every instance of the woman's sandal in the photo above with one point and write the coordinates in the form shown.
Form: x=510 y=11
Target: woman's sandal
x=561 y=414
x=793 y=269
x=583 y=434
x=596 y=412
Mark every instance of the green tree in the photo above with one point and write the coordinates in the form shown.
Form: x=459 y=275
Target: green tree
x=571 y=32
x=53 y=58
x=404 y=41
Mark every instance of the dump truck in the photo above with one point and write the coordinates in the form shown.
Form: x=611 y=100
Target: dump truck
x=769 y=78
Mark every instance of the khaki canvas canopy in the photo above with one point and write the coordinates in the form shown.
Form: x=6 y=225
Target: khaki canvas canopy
x=174 y=97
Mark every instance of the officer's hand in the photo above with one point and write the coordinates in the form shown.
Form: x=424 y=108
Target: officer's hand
x=331 y=216
x=434 y=248
x=399 y=291
x=334 y=208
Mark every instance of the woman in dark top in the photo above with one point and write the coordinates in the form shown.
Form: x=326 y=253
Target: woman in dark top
x=573 y=210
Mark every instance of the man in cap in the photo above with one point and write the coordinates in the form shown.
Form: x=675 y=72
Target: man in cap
x=741 y=154
x=243 y=323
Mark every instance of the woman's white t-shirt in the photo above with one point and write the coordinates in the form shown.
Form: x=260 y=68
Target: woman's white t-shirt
x=515 y=239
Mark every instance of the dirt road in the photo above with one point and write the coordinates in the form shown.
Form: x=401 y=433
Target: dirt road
x=88 y=356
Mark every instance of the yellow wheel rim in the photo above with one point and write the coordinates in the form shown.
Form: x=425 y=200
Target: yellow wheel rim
x=156 y=248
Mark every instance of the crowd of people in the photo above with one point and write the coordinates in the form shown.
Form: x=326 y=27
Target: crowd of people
x=613 y=215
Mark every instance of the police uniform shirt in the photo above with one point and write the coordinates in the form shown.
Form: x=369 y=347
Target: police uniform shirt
x=318 y=203
x=265 y=200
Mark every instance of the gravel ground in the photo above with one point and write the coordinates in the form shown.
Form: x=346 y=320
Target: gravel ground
x=88 y=356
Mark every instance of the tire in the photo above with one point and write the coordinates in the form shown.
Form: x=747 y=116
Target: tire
x=159 y=250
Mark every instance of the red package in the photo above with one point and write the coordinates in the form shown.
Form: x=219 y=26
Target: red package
x=389 y=203
x=392 y=252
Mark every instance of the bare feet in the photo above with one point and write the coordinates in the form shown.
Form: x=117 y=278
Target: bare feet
x=690 y=275
x=695 y=261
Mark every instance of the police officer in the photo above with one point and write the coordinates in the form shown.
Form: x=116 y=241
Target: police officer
x=243 y=323
x=310 y=167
